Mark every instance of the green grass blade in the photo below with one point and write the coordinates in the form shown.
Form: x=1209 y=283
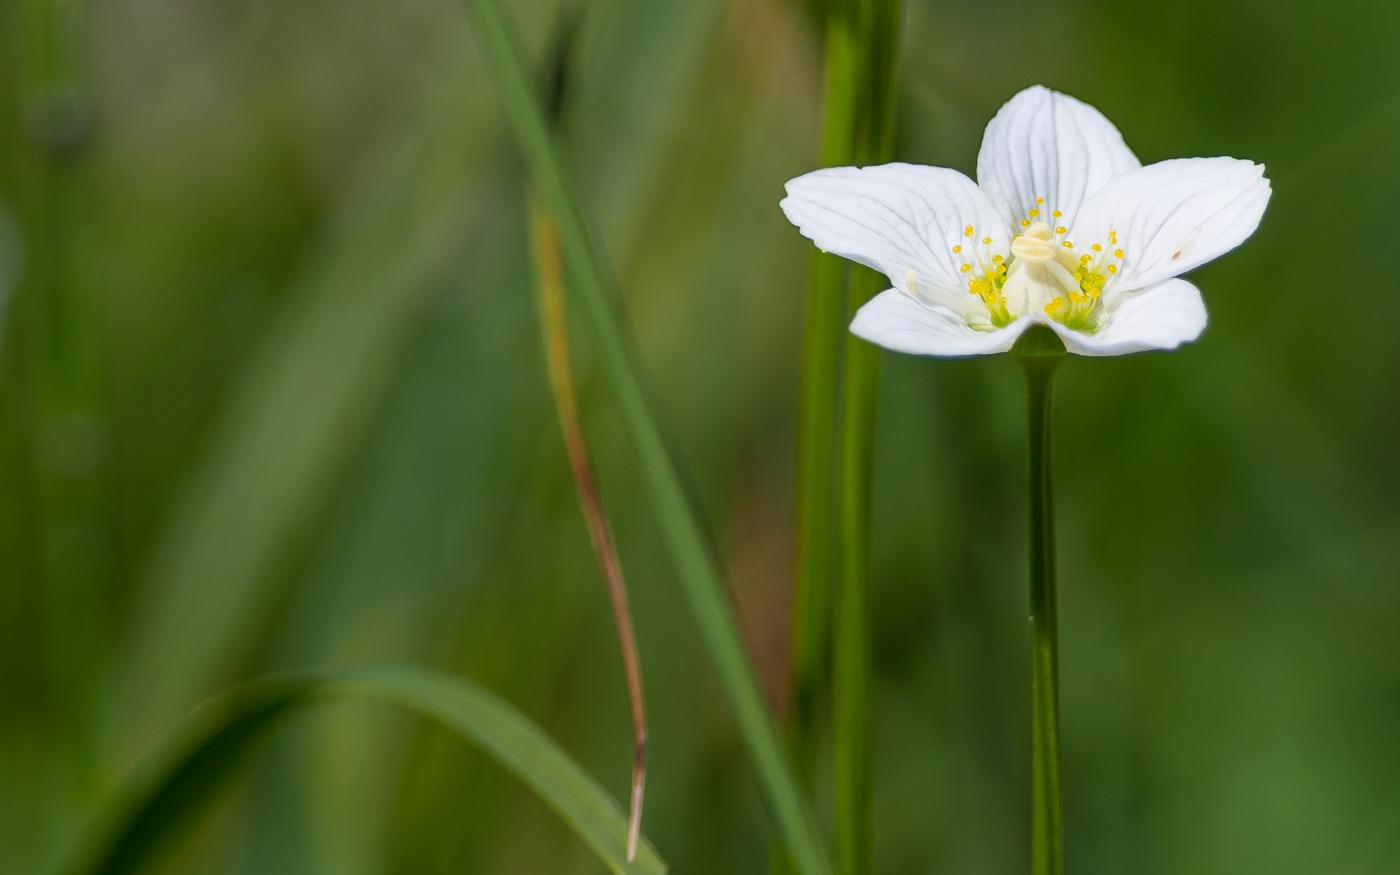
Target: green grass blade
x=189 y=770
x=306 y=397
x=694 y=557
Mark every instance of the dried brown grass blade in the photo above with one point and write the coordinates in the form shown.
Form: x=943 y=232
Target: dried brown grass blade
x=555 y=330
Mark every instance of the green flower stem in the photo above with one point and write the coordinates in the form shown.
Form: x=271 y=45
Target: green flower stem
x=1040 y=352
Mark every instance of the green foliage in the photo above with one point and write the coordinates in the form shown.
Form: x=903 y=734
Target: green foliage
x=697 y=566
x=182 y=776
x=1228 y=530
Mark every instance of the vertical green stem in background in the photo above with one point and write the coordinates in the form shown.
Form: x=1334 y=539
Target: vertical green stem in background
x=874 y=28
x=696 y=565
x=1040 y=352
x=822 y=338
x=816 y=462
x=60 y=322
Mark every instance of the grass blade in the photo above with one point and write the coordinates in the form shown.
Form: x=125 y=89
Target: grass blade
x=305 y=399
x=554 y=326
x=554 y=331
x=694 y=557
x=187 y=772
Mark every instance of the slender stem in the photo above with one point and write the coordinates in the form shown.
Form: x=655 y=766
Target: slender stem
x=877 y=28
x=555 y=329
x=696 y=563
x=823 y=336
x=1047 y=839
x=851 y=658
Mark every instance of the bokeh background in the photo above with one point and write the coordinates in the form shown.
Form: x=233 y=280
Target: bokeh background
x=271 y=396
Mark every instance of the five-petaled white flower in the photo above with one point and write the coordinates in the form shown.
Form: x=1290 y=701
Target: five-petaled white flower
x=1066 y=228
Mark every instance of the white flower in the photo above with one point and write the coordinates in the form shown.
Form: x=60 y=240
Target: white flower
x=1066 y=228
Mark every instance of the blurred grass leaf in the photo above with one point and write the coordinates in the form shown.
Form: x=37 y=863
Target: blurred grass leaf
x=694 y=555
x=308 y=393
x=186 y=772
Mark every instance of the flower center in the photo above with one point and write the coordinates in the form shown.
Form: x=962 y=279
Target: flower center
x=1034 y=246
x=1044 y=274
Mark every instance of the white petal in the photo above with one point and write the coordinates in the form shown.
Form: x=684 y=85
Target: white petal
x=1174 y=215
x=898 y=218
x=896 y=321
x=1161 y=317
x=1043 y=144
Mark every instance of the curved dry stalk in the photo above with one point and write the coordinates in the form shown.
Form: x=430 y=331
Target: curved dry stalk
x=555 y=330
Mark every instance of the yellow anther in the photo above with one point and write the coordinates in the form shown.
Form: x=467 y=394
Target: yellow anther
x=1040 y=200
x=1084 y=259
x=1034 y=213
x=1056 y=213
x=986 y=241
x=1096 y=247
x=998 y=259
x=1113 y=268
x=1025 y=223
x=1067 y=245
x=1061 y=230
x=966 y=268
x=957 y=249
x=1117 y=253
x=967 y=232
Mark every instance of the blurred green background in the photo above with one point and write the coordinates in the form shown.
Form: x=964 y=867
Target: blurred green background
x=271 y=396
